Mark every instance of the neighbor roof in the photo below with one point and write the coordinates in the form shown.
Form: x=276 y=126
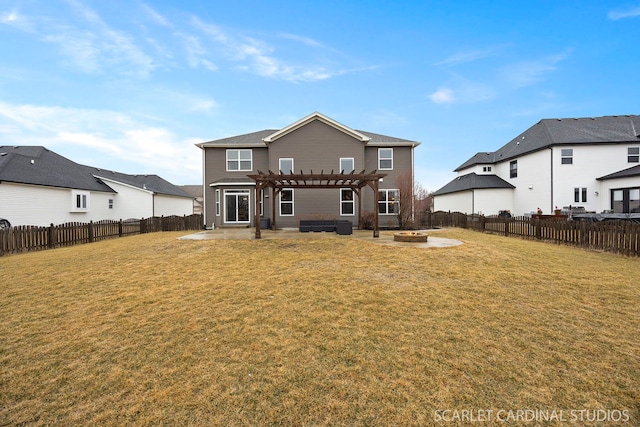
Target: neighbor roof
x=263 y=137
x=37 y=165
x=626 y=173
x=550 y=132
x=473 y=181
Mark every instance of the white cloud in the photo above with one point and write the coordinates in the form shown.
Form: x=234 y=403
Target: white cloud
x=91 y=48
x=257 y=56
x=103 y=139
x=442 y=96
x=617 y=14
x=469 y=56
x=155 y=16
x=527 y=73
x=16 y=20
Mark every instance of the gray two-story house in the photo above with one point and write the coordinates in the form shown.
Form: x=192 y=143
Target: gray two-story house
x=312 y=145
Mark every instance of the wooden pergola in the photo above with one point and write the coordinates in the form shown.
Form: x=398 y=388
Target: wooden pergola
x=280 y=181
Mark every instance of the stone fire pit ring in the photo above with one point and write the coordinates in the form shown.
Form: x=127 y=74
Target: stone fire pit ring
x=410 y=237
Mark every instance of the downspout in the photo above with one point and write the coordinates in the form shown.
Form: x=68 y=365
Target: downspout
x=204 y=191
x=551 y=208
x=473 y=201
x=413 y=187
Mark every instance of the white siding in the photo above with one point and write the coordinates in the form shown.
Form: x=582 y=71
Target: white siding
x=37 y=205
x=493 y=200
x=589 y=163
x=533 y=184
x=454 y=202
x=131 y=202
x=172 y=205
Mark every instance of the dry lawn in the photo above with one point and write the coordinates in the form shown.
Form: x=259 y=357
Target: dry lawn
x=149 y=330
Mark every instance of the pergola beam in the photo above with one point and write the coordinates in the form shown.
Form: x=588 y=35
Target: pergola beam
x=353 y=181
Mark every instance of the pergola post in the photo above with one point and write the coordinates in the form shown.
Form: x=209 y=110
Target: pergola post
x=257 y=210
x=376 y=231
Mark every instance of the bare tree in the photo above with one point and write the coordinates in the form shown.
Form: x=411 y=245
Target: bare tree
x=414 y=198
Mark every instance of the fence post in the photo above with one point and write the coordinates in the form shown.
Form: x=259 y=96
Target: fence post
x=51 y=234
x=506 y=226
x=90 y=229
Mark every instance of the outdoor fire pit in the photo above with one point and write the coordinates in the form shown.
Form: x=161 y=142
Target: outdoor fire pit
x=410 y=236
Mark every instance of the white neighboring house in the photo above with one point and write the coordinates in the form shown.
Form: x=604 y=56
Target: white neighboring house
x=40 y=187
x=593 y=163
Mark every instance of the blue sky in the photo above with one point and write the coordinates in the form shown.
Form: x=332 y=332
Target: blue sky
x=133 y=85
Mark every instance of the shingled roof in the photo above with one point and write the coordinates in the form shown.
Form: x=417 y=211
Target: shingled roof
x=257 y=139
x=37 y=165
x=473 y=181
x=626 y=173
x=551 y=132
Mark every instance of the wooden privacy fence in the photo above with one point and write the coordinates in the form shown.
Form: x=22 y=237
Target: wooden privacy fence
x=31 y=238
x=619 y=236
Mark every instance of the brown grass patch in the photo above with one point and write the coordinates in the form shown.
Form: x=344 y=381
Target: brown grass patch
x=149 y=330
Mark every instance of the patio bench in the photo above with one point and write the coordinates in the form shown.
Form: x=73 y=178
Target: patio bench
x=342 y=227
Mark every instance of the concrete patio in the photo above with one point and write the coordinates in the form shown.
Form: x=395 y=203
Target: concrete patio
x=386 y=236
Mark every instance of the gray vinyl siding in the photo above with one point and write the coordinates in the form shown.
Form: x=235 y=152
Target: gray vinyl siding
x=315 y=147
x=216 y=169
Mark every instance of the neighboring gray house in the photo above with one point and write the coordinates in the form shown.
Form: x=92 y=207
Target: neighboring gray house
x=40 y=187
x=315 y=143
x=591 y=163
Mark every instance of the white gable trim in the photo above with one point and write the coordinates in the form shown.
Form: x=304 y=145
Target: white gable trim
x=123 y=184
x=316 y=116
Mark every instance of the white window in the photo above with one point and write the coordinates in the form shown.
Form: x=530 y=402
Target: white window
x=566 y=156
x=486 y=169
x=110 y=203
x=633 y=154
x=580 y=194
x=388 y=202
x=385 y=158
x=79 y=201
x=346 y=165
x=286 y=202
x=239 y=160
x=286 y=165
x=217 y=202
x=513 y=169
x=347 y=204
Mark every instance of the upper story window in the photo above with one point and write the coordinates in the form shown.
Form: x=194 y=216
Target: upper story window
x=566 y=156
x=513 y=169
x=286 y=165
x=385 y=158
x=633 y=154
x=239 y=160
x=486 y=169
x=346 y=165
